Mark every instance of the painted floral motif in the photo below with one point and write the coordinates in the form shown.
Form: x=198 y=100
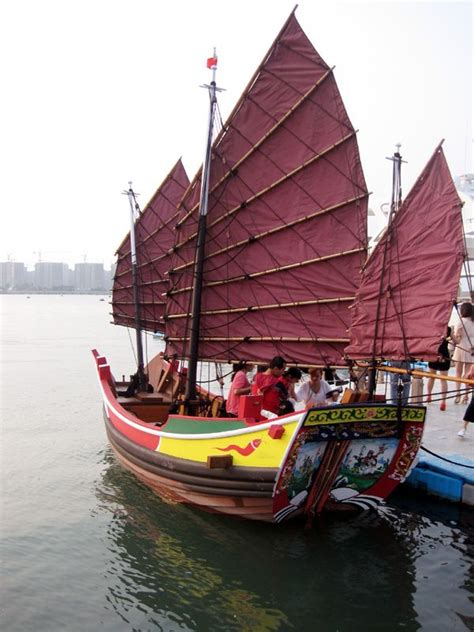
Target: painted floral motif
x=340 y=414
x=362 y=430
x=308 y=460
x=290 y=461
x=409 y=451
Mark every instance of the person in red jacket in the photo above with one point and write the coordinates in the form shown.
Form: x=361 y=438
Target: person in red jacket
x=265 y=384
x=286 y=383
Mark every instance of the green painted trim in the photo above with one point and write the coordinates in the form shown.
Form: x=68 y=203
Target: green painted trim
x=180 y=425
x=368 y=413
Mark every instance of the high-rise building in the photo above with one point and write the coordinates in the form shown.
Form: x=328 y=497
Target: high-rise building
x=89 y=276
x=51 y=275
x=12 y=275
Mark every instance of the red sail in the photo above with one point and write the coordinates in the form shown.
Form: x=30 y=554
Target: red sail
x=154 y=235
x=286 y=227
x=406 y=296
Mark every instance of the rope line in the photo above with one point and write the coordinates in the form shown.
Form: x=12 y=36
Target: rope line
x=443 y=458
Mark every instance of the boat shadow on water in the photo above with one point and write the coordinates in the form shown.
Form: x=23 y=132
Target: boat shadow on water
x=173 y=563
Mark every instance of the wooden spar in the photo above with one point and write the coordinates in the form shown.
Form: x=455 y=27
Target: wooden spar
x=417 y=373
x=151 y=322
x=227 y=360
x=254 y=148
x=146 y=284
x=258 y=339
x=272 y=231
x=149 y=262
x=141 y=302
x=273 y=185
x=254 y=275
x=254 y=308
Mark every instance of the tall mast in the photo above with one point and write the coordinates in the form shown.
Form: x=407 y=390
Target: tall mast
x=394 y=206
x=190 y=394
x=142 y=379
x=396 y=182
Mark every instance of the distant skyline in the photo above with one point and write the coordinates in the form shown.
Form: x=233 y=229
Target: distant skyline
x=100 y=93
x=32 y=266
x=57 y=259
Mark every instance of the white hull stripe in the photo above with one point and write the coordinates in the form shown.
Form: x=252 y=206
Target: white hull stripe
x=208 y=435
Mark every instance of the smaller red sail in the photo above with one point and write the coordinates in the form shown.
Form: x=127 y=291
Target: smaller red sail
x=409 y=283
x=154 y=236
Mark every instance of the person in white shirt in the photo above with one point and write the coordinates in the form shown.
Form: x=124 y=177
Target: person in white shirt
x=463 y=353
x=316 y=391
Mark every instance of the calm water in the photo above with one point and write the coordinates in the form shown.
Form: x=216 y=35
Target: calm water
x=85 y=547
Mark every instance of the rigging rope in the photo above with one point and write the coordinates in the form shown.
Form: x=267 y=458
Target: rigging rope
x=218 y=196
x=422 y=447
x=131 y=344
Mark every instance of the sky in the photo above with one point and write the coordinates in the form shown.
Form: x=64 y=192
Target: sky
x=96 y=93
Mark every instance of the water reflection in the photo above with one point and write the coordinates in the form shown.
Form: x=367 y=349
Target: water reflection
x=172 y=567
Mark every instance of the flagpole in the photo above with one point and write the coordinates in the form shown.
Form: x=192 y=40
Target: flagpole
x=190 y=401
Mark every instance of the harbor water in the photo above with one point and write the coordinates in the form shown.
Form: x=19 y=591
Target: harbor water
x=84 y=546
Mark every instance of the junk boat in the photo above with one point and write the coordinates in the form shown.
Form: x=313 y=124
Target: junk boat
x=264 y=253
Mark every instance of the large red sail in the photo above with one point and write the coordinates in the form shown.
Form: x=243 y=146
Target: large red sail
x=286 y=227
x=410 y=282
x=154 y=236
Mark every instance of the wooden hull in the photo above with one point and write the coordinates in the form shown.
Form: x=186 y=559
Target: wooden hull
x=258 y=507
x=334 y=458
x=237 y=492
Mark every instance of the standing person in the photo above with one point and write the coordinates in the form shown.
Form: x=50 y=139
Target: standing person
x=464 y=339
x=240 y=386
x=265 y=384
x=314 y=392
x=400 y=383
x=469 y=414
x=442 y=365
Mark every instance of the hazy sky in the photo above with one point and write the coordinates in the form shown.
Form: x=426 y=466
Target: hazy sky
x=98 y=92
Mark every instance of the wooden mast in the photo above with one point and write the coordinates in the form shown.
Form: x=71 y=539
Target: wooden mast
x=394 y=206
x=190 y=393
x=142 y=378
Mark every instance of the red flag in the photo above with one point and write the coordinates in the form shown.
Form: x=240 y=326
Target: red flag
x=211 y=62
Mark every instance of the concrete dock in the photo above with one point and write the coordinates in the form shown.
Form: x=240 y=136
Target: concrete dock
x=434 y=475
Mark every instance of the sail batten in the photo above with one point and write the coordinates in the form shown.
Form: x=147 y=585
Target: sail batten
x=154 y=238
x=255 y=275
x=257 y=145
x=163 y=281
x=286 y=226
x=269 y=188
x=411 y=279
x=276 y=229
x=261 y=339
x=252 y=308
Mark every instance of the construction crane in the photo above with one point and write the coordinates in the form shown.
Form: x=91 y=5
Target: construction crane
x=42 y=252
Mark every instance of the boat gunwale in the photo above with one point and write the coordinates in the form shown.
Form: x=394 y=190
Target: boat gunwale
x=110 y=401
x=189 y=467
